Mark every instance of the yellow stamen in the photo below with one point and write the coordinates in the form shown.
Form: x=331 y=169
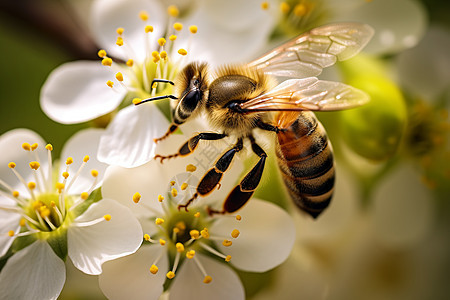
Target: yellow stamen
x=110 y=83
x=159 y=221
x=173 y=11
x=205 y=233
x=31 y=185
x=136 y=197
x=174 y=192
x=161 y=41
x=180 y=247
x=146 y=237
x=285 y=7
x=11 y=233
x=49 y=147
x=23 y=222
x=300 y=10
x=143 y=15
x=194 y=234
x=228 y=258
x=184 y=186
x=155 y=54
x=15 y=194
x=45 y=212
x=176 y=230
x=207 y=279
x=153 y=269
x=170 y=275
x=227 y=243
x=148 y=28
x=94 y=173
x=238 y=217
x=60 y=186
x=119 y=76
x=160 y=198
x=69 y=160
x=182 y=52
x=163 y=55
x=26 y=146
x=190 y=254
x=107 y=217
x=156 y=59
x=107 y=61
x=265 y=5
x=172 y=37
x=172 y=182
x=129 y=62
x=162 y=242
x=119 y=41
x=65 y=174
x=34 y=146
x=34 y=165
x=181 y=225
x=101 y=53
x=86 y=158
x=12 y=165
x=154 y=85
x=84 y=195
x=178 y=26
x=120 y=30
x=191 y=168
x=197 y=214
x=193 y=29
x=235 y=233
x=137 y=101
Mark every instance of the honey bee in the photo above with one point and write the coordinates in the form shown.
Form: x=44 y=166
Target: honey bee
x=243 y=98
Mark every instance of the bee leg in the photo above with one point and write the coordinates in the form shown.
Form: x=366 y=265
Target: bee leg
x=212 y=178
x=192 y=143
x=242 y=192
x=269 y=127
x=171 y=130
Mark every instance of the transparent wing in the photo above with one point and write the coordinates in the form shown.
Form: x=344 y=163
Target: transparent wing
x=309 y=53
x=307 y=94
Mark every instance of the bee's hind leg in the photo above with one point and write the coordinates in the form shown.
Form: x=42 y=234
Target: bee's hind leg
x=171 y=130
x=192 y=143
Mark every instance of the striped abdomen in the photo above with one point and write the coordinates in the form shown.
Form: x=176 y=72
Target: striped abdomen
x=305 y=158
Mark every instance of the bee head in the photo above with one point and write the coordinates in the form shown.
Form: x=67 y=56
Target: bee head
x=191 y=88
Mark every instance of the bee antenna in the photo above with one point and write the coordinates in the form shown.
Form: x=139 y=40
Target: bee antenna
x=162 y=80
x=157 y=98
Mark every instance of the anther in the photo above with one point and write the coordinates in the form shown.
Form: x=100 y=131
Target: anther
x=227 y=243
x=162 y=242
x=34 y=146
x=207 y=279
x=194 y=234
x=170 y=275
x=161 y=41
x=101 y=53
x=173 y=11
x=160 y=198
x=136 y=197
x=155 y=53
x=285 y=7
x=34 y=165
x=184 y=186
x=84 y=195
x=107 y=61
x=182 y=52
x=265 y=5
x=65 y=175
x=190 y=254
x=11 y=233
x=205 y=233
x=159 y=221
x=12 y=165
x=238 y=217
x=15 y=194
x=119 y=76
x=137 y=101
x=197 y=214
x=153 y=269
x=191 y=168
x=148 y=29
x=235 y=233
x=129 y=63
x=110 y=83
x=119 y=41
x=147 y=237
x=107 y=217
x=300 y=10
x=120 y=30
x=180 y=247
x=69 y=160
x=143 y=15
x=163 y=54
x=174 y=192
x=193 y=29
x=94 y=173
x=22 y=222
x=49 y=147
x=31 y=185
x=171 y=183
x=26 y=146
x=178 y=26
x=172 y=37
x=228 y=258
x=60 y=186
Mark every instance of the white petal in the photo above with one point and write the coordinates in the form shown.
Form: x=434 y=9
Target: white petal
x=267 y=235
x=130 y=276
x=34 y=272
x=8 y=221
x=108 y=15
x=91 y=246
x=128 y=140
x=425 y=69
x=76 y=92
x=82 y=143
x=11 y=151
x=398 y=24
x=402 y=209
x=188 y=282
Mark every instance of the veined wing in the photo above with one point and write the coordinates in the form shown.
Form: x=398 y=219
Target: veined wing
x=309 y=53
x=307 y=94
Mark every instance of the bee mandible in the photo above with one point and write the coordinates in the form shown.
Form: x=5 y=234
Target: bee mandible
x=243 y=98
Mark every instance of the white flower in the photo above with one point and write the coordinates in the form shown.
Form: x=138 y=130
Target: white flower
x=153 y=44
x=44 y=221
x=179 y=244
